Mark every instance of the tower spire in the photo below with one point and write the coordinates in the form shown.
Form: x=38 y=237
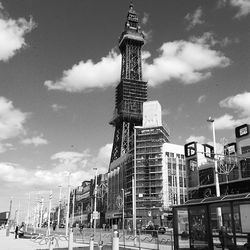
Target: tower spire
x=131 y=92
x=131 y=6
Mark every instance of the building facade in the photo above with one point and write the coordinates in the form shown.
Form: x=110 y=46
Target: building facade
x=141 y=177
x=233 y=166
x=174 y=175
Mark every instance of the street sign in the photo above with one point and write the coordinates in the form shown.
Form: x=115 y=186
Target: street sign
x=127 y=193
x=96 y=215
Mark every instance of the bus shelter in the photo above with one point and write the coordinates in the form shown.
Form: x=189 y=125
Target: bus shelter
x=213 y=223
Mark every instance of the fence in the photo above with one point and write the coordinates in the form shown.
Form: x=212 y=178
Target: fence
x=147 y=239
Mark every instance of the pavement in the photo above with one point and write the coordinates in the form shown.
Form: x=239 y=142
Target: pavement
x=10 y=243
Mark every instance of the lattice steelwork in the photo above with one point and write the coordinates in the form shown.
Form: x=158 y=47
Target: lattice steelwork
x=131 y=92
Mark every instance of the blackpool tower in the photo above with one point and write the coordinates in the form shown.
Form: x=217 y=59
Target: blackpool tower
x=131 y=92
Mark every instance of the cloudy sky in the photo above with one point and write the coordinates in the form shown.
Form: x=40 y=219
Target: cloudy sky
x=59 y=65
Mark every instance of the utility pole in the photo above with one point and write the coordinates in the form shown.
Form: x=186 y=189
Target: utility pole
x=28 y=214
x=68 y=200
x=95 y=193
x=217 y=184
x=50 y=198
x=123 y=204
x=8 y=221
x=59 y=207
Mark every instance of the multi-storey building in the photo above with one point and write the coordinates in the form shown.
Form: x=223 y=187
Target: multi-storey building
x=84 y=201
x=233 y=166
x=174 y=175
x=140 y=179
x=131 y=92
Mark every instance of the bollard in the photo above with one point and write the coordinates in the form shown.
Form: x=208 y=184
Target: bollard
x=70 y=246
x=51 y=243
x=100 y=245
x=91 y=243
x=115 y=243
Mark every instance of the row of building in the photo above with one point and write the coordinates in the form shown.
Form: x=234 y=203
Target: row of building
x=166 y=174
x=147 y=173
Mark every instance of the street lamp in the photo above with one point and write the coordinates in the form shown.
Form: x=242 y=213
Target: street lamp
x=8 y=221
x=134 y=182
x=68 y=201
x=123 y=204
x=59 y=207
x=95 y=194
x=217 y=184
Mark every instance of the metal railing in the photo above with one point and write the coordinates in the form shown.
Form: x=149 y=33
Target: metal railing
x=144 y=239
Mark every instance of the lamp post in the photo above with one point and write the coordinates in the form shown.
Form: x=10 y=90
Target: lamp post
x=134 y=184
x=59 y=207
x=8 y=221
x=95 y=195
x=68 y=201
x=123 y=204
x=50 y=198
x=28 y=214
x=217 y=184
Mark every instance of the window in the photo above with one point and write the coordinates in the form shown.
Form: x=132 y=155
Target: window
x=171 y=154
x=181 y=181
x=170 y=180
x=180 y=167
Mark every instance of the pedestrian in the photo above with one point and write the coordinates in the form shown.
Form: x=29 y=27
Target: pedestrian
x=226 y=239
x=16 y=232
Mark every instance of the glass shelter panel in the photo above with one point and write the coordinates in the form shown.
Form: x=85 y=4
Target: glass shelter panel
x=183 y=229
x=198 y=220
x=242 y=225
x=222 y=226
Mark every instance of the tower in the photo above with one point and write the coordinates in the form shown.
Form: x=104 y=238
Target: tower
x=131 y=92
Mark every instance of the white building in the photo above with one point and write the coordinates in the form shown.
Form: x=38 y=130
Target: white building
x=174 y=175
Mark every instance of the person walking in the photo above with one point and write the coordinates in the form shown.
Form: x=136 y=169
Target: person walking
x=16 y=232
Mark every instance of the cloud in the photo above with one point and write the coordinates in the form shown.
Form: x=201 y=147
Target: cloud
x=57 y=107
x=103 y=158
x=194 y=19
x=210 y=38
x=11 y=120
x=86 y=76
x=166 y=112
x=201 y=99
x=79 y=164
x=36 y=141
x=243 y=6
x=203 y=140
x=12 y=34
x=240 y=105
x=225 y=121
x=5 y=147
x=186 y=61
x=145 y=18
x=199 y=139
